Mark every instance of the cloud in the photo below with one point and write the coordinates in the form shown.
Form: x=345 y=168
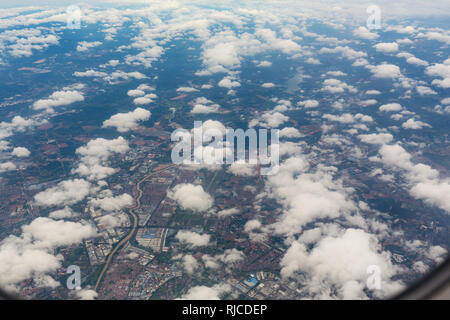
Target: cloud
x=306 y=197
x=209 y=127
x=436 y=253
x=337 y=86
x=346 y=52
x=411 y=59
x=7 y=166
x=90 y=73
x=231 y=256
x=441 y=109
x=290 y=132
x=402 y=30
x=251 y=225
x=420 y=267
x=344 y=118
x=386 y=47
x=414 y=124
x=289 y=149
x=376 y=138
x=67 y=192
x=385 y=71
x=390 y=107
x=367 y=103
x=95 y=154
x=228 y=212
x=113 y=63
x=269 y=119
x=326 y=265
x=404 y=41
x=287 y=46
x=20 y=152
x=17 y=124
x=423 y=181
x=145 y=87
x=112 y=78
x=361 y=62
x=206 y=293
x=193 y=239
x=147 y=99
x=440 y=70
x=113 y=220
x=21 y=42
x=48 y=233
x=113 y=203
x=66 y=212
x=204 y=109
x=336 y=73
x=445 y=101
x=364 y=33
x=187 y=89
x=243 y=169
x=312 y=61
x=434 y=35
x=19 y=254
x=203 y=105
x=4 y=145
x=190 y=264
x=227 y=82
x=395 y=155
x=220 y=53
x=135 y=93
x=85 y=45
x=58 y=98
x=422 y=90
x=264 y=64
x=268 y=85
x=191 y=197
x=433 y=192
x=126 y=121
x=86 y=294
x=308 y=103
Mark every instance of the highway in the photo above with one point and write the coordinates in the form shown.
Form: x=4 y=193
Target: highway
x=133 y=229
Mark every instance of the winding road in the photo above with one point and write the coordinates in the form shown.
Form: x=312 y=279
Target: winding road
x=133 y=229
